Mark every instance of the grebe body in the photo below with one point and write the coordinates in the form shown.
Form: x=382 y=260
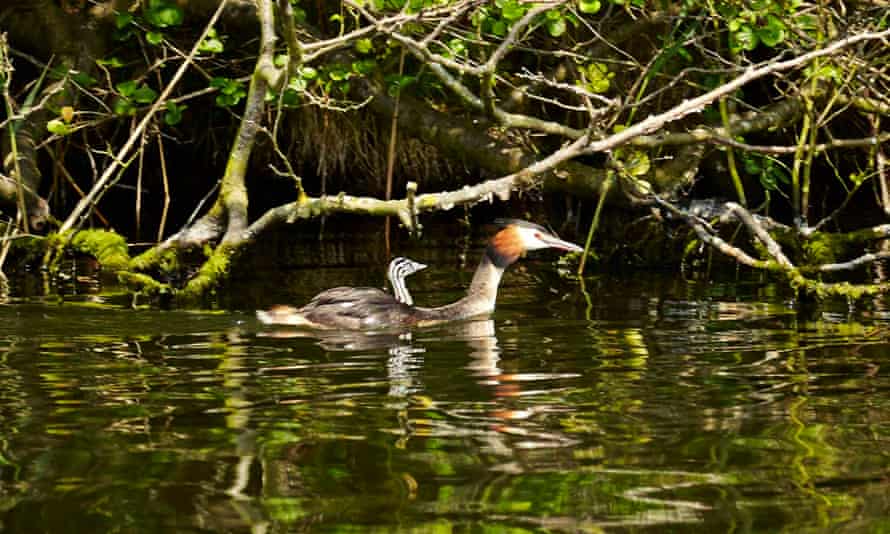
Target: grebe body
x=361 y=308
x=354 y=308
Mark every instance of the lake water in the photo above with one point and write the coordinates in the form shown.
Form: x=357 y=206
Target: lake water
x=639 y=404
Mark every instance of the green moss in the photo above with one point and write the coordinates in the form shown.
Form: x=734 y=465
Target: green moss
x=142 y=284
x=109 y=248
x=165 y=261
x=214 y=271
x=821 y=248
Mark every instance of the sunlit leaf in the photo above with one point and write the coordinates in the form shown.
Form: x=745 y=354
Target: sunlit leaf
x=211 y=46
x=364 y=46
x=308 y=73
x=58 y=127
x=589 y=6
x=556 y=27
x=154 y=38
x=513 y=10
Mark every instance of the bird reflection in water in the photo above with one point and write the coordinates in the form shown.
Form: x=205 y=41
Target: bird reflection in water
x=505 y=424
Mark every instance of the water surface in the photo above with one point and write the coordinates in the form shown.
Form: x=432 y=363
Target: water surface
x=641 y=406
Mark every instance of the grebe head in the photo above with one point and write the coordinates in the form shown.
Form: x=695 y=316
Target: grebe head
x=401 y=267
x=517 y=237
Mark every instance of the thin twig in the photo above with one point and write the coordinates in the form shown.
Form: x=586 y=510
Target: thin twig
x=166 y=182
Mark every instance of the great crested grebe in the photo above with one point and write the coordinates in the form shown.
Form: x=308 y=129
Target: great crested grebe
x=399 y=269
x=359 y=308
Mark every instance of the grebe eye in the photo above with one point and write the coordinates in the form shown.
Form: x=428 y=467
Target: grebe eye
x=538 y=235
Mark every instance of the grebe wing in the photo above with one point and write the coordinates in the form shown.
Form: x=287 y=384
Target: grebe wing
x=355 y=308
x=348 y=296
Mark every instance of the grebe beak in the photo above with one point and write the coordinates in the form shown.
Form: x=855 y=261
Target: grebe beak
x=554 y=242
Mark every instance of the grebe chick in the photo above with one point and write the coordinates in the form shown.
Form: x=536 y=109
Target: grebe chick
x=399 y=269
x=367 y=308
x=340 y=300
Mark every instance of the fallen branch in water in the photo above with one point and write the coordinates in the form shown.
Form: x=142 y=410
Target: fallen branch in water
x=777 y=261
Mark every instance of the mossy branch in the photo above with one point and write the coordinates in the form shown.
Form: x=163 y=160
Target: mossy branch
x=778 y=262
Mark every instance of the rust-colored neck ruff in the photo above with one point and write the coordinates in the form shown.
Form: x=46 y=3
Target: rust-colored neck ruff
x=505 y=247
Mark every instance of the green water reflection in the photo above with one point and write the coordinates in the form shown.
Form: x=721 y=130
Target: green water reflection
x=662 y=407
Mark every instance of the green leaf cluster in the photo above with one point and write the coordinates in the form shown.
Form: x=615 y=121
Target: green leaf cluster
x=230 y=91
x=757 y=22
x=595 y=77
x=173 y=113
x=212 y=44
x=771 y=172
x=163 y=13
x=131 y=93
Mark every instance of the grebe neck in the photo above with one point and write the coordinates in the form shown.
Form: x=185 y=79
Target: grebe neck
x=480 y=298
x=488 y=274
